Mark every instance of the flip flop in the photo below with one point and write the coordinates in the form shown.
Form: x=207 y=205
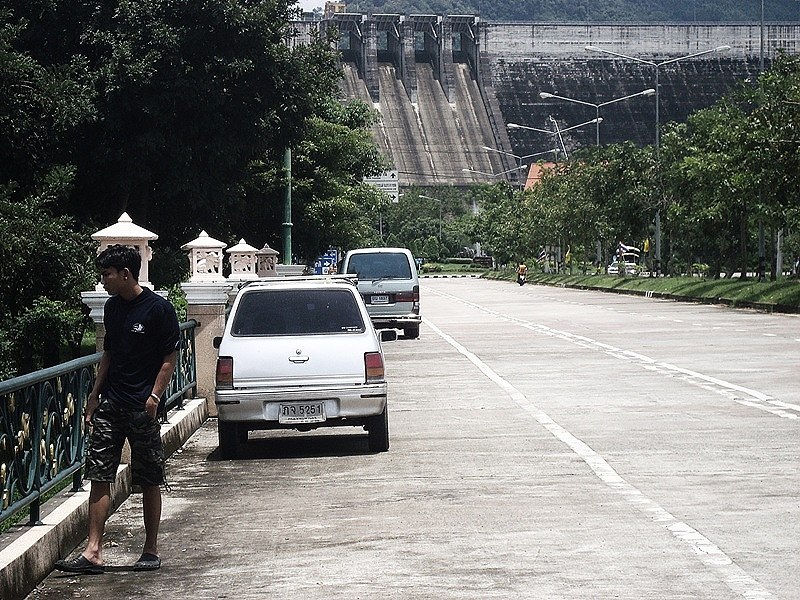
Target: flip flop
x=147 y=562
x=80 y=564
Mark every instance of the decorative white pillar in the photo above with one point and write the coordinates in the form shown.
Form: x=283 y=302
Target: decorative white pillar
x=205 y=259
x=242 y=258
x=206 y=302
x=126 y=233
x=266 y=260
x=206 y=297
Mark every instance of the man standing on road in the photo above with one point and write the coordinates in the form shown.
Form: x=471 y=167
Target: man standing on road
x=139 y=355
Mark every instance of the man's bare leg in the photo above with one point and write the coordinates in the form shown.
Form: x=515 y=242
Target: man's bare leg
x=99 y=505
x=151 y=504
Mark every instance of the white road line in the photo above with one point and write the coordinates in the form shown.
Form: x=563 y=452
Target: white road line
x=731 y=391
x=708 y=553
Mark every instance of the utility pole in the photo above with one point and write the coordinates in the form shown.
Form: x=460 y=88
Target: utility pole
x=287 y=208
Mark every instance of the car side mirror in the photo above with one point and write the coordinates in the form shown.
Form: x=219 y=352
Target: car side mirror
x=388 y=335
x=217 y=342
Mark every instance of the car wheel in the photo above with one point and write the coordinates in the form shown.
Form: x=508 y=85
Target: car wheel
x=378 y=431
x=411 y=333
x=229 y=439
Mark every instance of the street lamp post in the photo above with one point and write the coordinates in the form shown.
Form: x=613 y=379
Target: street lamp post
x=518 y=158
x=440 y=212
x=597 y=107
x=762 y=255
x=557 y=132
x=656 y=68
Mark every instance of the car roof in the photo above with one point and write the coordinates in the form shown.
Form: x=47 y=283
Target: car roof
x=379 y=250
x=300 y=282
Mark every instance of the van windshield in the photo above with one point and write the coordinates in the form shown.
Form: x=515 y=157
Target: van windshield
x=380 y=265
x=297 y=312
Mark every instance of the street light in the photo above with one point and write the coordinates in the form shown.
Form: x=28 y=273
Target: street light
x=656 y=67
x=440 y=212
x=557 y=132
x=597 y=107
x=518 y=158
x=490 y=174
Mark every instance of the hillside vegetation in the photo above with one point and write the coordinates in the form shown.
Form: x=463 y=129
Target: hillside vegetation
x=591 y=10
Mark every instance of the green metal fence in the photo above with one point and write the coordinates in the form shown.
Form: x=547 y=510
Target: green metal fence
x=42 y=432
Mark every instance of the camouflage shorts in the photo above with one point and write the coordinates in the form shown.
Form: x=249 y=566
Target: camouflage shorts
x=110 y=426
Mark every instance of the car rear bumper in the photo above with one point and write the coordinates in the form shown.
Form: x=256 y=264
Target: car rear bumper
x=262 y=406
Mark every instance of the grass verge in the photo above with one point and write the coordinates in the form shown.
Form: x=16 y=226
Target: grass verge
x=778 y=296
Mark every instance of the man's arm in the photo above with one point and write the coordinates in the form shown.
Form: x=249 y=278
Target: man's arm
x=93 y=400
x=161 y=383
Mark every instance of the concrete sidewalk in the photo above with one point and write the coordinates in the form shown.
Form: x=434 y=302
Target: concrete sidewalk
x=28 y=553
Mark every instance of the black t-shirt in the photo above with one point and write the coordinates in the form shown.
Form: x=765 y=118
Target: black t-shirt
x=139 y=334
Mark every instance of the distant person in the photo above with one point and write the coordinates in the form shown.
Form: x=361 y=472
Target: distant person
x=139 y=355
x=522 y=273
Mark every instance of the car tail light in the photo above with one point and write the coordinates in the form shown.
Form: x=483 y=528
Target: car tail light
x=225 y=372
x=373 y=364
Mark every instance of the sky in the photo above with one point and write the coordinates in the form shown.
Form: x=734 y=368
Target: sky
x=309 y=5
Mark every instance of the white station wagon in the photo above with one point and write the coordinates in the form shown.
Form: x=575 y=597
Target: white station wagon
x=300 y=353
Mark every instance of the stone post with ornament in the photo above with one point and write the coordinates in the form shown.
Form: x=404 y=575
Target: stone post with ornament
x=206 y=297
x=126 y=233
x=242 y=258
x=266 y=262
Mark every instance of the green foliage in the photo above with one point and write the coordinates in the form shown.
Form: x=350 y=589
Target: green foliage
x=177 y=297
x=44 y=257
x=194 y=103
x=45 y=267
x=727 y=168
x=179 y=114
x=433 y=223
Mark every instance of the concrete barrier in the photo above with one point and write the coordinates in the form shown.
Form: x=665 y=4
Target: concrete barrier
x=27 y=553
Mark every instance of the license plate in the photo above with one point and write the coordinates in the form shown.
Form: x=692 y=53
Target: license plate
x=383 y=299
x=301 y=412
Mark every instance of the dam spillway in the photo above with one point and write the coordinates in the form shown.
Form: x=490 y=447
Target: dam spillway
x=448 y=86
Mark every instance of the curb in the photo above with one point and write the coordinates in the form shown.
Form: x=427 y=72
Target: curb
x=29 y=557
x=445 y=276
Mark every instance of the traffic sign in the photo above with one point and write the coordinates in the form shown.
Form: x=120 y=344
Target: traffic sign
x=388 y=183
x=326 y=264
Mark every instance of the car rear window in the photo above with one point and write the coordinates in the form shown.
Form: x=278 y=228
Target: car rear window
x=297 y=312
x=381 y=265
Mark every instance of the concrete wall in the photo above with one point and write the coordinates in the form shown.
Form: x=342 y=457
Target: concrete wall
x=530 y=41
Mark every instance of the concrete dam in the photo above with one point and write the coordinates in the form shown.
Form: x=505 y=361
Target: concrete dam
x=446 y=87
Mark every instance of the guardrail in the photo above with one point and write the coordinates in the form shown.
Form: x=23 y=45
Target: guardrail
x=42 y=432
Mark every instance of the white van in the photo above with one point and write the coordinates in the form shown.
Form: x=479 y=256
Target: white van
x=388 y=282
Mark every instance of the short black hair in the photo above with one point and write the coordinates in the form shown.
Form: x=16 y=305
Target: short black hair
x=120 y=257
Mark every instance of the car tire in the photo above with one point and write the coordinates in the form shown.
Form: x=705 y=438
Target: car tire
x=412 y=332
x=229 y=439
x=378 y=432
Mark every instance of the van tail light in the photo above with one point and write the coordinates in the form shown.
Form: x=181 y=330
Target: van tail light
x=412 y=296
x=373 y=365
x=225 y=373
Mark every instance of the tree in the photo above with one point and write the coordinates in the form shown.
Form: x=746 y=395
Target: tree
x=44 y=257
x=188 y=96
x=733 y=164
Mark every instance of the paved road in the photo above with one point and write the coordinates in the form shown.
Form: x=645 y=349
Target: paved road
x=545 y=443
